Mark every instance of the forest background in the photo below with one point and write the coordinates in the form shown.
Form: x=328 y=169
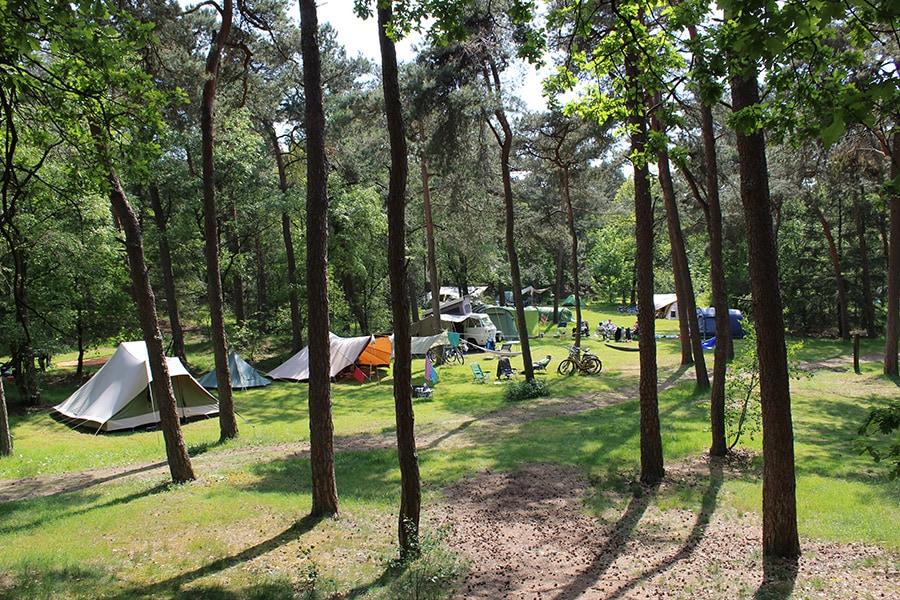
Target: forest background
x=67 y=286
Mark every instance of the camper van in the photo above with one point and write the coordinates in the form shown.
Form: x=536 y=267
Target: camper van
x=478 y=329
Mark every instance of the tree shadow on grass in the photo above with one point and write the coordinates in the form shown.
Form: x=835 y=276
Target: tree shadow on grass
x=47 y=516
x=172 y=587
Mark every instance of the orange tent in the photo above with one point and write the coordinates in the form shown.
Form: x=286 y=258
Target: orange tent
x=378 y=353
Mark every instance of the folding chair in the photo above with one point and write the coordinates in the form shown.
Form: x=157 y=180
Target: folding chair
x=479 y=376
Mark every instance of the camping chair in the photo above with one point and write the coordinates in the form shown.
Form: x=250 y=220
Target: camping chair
x=541 y=365
x=506 y=348
x=479 y=376
x=504 y=369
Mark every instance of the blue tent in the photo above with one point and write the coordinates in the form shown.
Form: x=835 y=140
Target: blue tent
x=706 y=322
x=243 y=375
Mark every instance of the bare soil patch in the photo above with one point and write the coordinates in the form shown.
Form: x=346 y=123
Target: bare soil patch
x=526 y=536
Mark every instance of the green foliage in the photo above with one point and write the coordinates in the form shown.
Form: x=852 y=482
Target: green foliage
x=879 y=439
x=525 y=390
x=743 y=411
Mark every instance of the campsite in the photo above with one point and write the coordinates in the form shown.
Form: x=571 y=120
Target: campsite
x=523 y=499
x=659 y=244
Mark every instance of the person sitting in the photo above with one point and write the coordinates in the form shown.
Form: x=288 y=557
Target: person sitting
x=541 y=365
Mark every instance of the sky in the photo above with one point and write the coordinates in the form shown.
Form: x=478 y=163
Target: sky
x=360 y=36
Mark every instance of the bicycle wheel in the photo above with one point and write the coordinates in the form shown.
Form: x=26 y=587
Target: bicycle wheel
x=592 y=364
x=567 y=367
x=456 y=357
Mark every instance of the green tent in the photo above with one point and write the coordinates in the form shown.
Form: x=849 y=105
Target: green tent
x=570 y=301
x=504 y=318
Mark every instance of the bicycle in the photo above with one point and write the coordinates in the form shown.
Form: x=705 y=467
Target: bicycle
x=446 y=355
x=580 y=359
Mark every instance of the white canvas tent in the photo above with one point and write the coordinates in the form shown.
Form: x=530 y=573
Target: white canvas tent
x=344 y=352
x=243 y=375
x=119 y=395
x=666 y=306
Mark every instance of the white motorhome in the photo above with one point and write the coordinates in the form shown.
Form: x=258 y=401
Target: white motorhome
x=475 y=328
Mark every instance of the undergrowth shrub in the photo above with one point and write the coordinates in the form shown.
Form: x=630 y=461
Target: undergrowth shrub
x=525 y=390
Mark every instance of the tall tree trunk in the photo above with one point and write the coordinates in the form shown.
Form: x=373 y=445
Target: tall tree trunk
x=410 y=483
x=652 y=470
x=843 y=316
x=712 y=212
x=560 y=281
x=237 y=276
x=429 y=234
x=6 y=441
x=321 y=424
x=892 y=329
x=780 y=537
x=227 y=422
x=161 y=218
x=505 y=138
x=262 y=296
x=869 y=306
x=287 y=235
x=573 y=235
x=161 y=387
x=684 y=286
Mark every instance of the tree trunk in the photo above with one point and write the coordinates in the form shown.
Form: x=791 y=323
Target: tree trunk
x=869 y=306
x=287 y=235
x=237 y=277
x=505 y=138
x=780 y=537
x=410 y=483
x=712 y=213
x=570 y=219
x=843 y=317
x=161 y=386
x=892 y=329
x=227 y=422
x=429 y=235
x=684 y=287
x=161 y=218
x=652 y=470
x=262 y=296
x=321 y=424
x=6 y=441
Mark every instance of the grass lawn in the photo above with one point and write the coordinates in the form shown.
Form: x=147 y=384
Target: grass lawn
x=240 y=530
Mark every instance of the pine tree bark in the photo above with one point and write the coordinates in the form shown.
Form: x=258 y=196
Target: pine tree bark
x=504 y=137
x=684 y=286
x=321 y=424
x=228 y=428
x=652 y=470
x=712 y=212
x=843 y=315
x=780 y=537
x=868 y=312
x=161 y=218
x=410 y=482
x=161 y=387
x=288 y=237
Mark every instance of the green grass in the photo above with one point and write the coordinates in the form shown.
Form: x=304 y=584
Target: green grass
x=240 y=530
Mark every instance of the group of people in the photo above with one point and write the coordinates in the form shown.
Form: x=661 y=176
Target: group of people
x=608 y=331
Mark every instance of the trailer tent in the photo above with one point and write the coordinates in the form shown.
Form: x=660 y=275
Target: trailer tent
x=344 y=352
x=243 y=375
x=119 y=395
